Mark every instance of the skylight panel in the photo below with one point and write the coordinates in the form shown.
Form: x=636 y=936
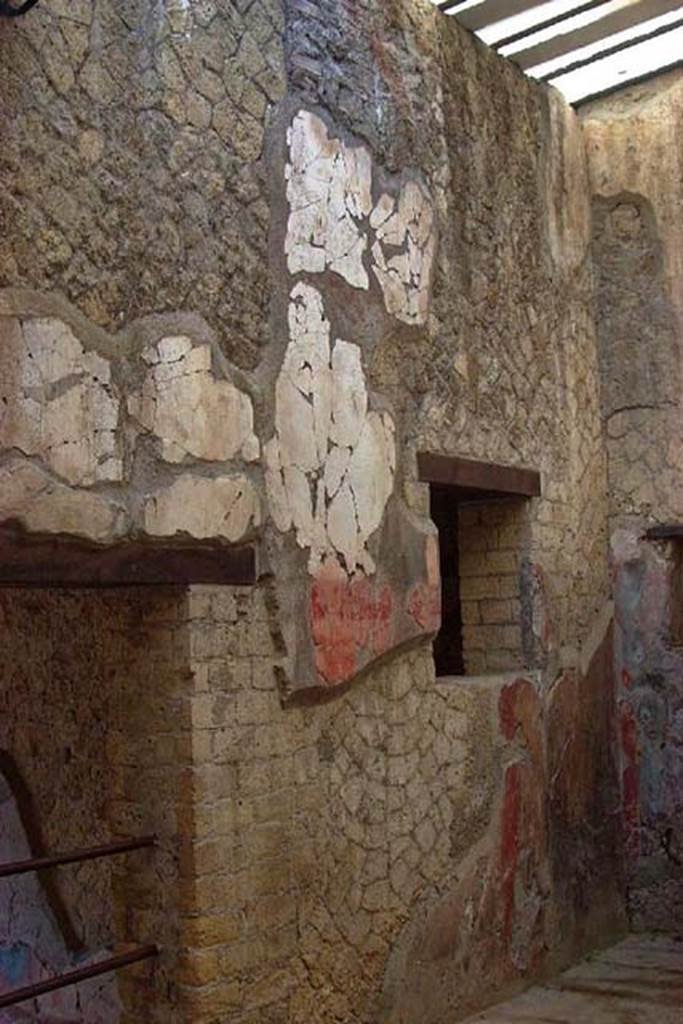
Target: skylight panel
x=538 y=15
x=582 y=47
x=619 y=69
x=585 y=53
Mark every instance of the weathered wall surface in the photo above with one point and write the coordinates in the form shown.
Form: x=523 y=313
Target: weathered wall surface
x=131 y=159
x=400 y=852
x=634 y=153
x=377 y=244
x=392 y=228
x=32 y=945
x=491 y=540
x=406 y=848
x=96 y=736
x=103 y=438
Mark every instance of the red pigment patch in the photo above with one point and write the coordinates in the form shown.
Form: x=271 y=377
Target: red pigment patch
x=626 y=679
x=507 y=709
x=518 y=705
x=509 y=844
x=424 y=604
x=630 y=776
x=347 y=618
x=629 y=732
x=542 y=623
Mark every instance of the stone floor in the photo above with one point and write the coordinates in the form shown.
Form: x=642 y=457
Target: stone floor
x=639 y=981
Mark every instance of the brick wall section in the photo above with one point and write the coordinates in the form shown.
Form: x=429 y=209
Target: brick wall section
x=108 y=671
x=152 y=789
x=491 y=542
x=239 y=924
x=324 y=833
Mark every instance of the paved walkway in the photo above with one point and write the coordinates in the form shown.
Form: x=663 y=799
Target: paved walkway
x=639 y=981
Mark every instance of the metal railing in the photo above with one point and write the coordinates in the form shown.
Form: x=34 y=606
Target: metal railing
x=8 y=10
x=106 y=966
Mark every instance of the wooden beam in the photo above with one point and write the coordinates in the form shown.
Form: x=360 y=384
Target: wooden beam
x=64 y=562
x=668 y=531
x=609 y=51
x=488 y=478
x=556 y=19
x=488 y=13
x=561 y=44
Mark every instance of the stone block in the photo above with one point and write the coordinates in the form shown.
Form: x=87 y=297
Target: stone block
x=210 y=930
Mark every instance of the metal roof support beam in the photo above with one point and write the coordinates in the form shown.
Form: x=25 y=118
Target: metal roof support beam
x=448 y=6
x=491 y=11
x=611 y=50
x=618 y=21
x=557 y=20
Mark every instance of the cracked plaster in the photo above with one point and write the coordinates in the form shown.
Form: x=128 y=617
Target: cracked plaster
x=405 y=277
x=58 y=402
x=203 y=507
x=188 y=409
x=330 y=465
x=67 y=428
x=329 y=190
x=44 y=505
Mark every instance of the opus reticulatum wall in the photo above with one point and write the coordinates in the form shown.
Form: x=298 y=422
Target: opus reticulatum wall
x=254 y=257
x=635 y=165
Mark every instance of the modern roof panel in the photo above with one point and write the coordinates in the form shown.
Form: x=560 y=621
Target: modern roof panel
x=584 y=47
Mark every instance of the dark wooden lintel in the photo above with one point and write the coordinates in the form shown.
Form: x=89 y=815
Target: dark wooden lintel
x=667 y=531
x=65 y=562
x=470 y=476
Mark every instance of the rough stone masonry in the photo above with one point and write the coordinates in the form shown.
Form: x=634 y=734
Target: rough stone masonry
x=255 y=255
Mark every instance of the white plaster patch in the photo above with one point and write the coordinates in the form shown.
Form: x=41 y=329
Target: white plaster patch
x=203 y=507
x=193 y=413
x=58 y=402
x=329 y=190
x=330 y=465
x=28 y=495
x=329 y=193
x=405 y=276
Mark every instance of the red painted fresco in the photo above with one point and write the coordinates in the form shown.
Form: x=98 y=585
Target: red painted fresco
x=519 y=711
x=548 y=859
x=628 y=733
x=520 y=716
x=349 y=618
x=509 y=845
x=424 y=604
x=542 y=618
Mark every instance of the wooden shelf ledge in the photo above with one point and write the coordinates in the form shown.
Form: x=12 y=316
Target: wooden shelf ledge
x=65 y=562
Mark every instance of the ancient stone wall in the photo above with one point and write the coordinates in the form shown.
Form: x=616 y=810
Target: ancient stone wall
x=633 y=144
x=106 y=438
x=96 y=743
x=255 y=257
x=492 y=540
x=401 y=851
x=131 y=159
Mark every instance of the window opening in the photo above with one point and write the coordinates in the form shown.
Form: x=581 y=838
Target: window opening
x=480 y=512
x=448 y=647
